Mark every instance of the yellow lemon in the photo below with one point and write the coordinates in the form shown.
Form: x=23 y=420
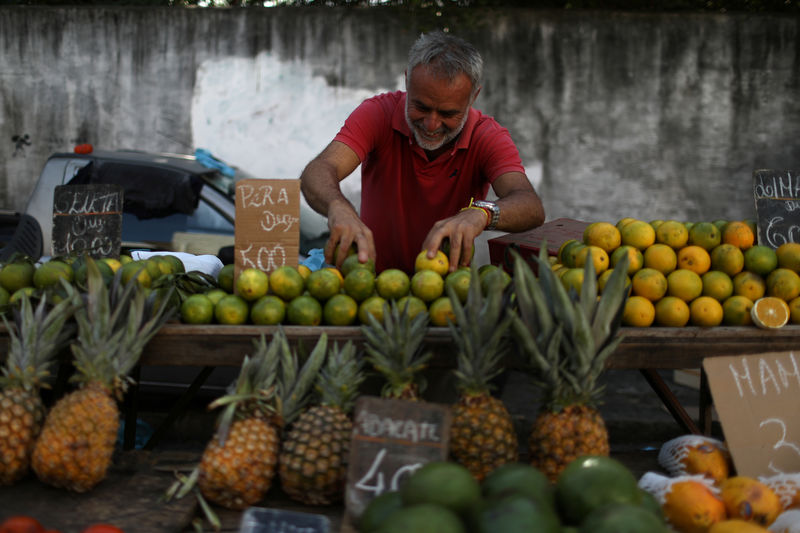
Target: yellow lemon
x=440 y=263
x=252 y=284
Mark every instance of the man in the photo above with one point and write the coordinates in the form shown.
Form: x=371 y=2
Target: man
x=426 y=155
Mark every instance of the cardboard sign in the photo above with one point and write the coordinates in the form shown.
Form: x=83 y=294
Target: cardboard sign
x=261 y=520
x=267 y=228
x=777 y=197
x=757 y=398
x=87 y=219
x=391 y=439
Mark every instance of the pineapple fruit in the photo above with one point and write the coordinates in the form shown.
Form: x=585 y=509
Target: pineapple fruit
x=238 y=465
x=566 y=338
x=35 y=338
x=75 y=447
x=313 y=461
x=482 y=435
x=395 y=349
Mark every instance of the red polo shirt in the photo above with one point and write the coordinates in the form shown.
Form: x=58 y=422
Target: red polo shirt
x=402 y=193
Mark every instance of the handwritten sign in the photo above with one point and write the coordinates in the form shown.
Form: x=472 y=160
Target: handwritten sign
x=87 y=219
x=267 y=228
x=777 y=197
x=391 y=439
x=757 y=398
x=261 y=520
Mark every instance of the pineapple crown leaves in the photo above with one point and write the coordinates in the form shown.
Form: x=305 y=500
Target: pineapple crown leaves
x=480 y=332
x=338 y=381
x=114 y=325
x=569 y=352
x=36 y=336
x=296 y=383
x=395 y=347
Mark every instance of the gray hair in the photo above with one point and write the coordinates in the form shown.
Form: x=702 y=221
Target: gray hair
x=448 y=55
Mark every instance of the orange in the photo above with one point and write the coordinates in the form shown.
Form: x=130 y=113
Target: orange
x=304 y=271
x=136 y=270
x=770 y=312
x=737 y=525
x=340 y=310
x=359 y=284
x=656 y=223
x=691 y=507
x=788 y=255
x=751 y=500
x=705 y=235
x=623 y=222
x=708 y=459
x=684 y=284
x=115 y=264
x=717 y=285
x=603 y=279
x=215 y=295
x=660 y=257
x=760 y=259
x=414 y=304
x=739 y=234
x=50 y=272
x=252 y=284
x=672 y=233
x=322 y=284
x=720 y=223
x=794 y=311
x=564 y=245
x=573 y=279
x=286 y=283
x=427 y=285
x=17 y=295
x=304 y=311
x=749 y=284
x=268 y=310
x=638 y=234
x=459 y=281
x=783 y=283
x=603 y=235
x=231 y=309
x=337 y=272
x=351 y=263
x=649 y=283
x=225 y=278
x=694 y=258
x=598 y=255
x=392 y=284
x=727 y=258
x=439 y=264
x=705 y=311
x=197 y=309
x=639 y=312
x=635 y=258
x=441 y=312
x=672 y=312
x=569 y=251
x=371 y=306
x=736 y=311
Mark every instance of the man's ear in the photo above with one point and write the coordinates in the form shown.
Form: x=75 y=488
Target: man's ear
x=475 y=96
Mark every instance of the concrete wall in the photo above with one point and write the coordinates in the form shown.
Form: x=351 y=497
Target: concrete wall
x=615 y=114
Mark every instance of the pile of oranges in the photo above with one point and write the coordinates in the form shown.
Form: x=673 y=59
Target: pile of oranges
x=681 y=273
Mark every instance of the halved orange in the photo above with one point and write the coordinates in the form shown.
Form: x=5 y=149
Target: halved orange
x=770 y=312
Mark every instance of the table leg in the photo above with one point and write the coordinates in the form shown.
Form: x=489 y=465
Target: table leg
x=669 y=400
x=706 y=404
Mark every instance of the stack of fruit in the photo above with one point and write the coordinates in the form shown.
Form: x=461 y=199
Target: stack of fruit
x=682 y=273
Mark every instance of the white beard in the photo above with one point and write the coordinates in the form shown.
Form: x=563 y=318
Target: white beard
x=434 y=145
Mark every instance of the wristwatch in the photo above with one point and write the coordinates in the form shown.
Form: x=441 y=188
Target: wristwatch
x=493 y=208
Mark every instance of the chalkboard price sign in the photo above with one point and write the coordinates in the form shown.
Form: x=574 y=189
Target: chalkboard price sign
x=261 y=520
x=777 y=197
x=392 y=439
x=87 y=219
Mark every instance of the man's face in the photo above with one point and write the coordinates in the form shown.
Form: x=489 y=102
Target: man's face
x=436 y=108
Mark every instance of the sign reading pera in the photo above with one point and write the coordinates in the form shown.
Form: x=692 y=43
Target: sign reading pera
x=777 y=198
x=267 y=228
x=758 y=398
x=87 y=219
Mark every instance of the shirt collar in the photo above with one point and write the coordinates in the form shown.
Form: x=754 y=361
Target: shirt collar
x=462 y=142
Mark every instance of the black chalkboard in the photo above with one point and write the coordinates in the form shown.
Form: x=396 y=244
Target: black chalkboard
x=261 y=520
x=87 y=219
x=777 y=197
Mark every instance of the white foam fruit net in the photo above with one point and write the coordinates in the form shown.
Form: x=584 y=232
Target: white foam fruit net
x=660 y=485
x=787 y=522
x=673 y=453
x=786 y=486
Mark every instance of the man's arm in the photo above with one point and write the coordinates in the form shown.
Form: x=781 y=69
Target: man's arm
x=319 y=183
x=520 y=209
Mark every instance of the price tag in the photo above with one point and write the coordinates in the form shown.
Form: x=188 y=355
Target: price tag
x=260 y=520
x=392 y=439
x=87 y=219
x=777 y=197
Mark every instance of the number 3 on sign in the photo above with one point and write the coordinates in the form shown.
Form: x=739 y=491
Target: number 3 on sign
x=379 y=486
x=782 y=442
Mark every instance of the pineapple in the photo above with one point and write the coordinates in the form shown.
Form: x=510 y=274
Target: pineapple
x=76 y=444
x=567 y=339
x=35 y=337
x=313 y=462
x=238 y=465
x=394 y=349
x=482 y=436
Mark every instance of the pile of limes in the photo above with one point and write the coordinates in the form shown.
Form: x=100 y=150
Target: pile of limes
x=684 y=273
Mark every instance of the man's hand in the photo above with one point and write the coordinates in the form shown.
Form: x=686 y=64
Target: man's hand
x=347 y=229
x=461 y=229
